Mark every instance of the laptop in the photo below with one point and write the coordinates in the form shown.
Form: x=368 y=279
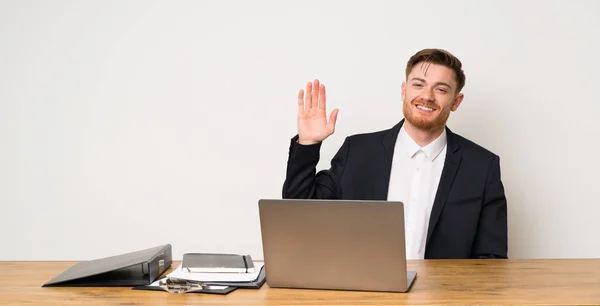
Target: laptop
x=334 y=244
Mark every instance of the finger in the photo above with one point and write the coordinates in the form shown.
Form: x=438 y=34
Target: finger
x=300 y=101
x=322 y=103
x=308 y=99
x=315 y=94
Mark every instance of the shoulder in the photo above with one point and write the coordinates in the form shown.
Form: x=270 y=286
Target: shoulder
x=369 y=139
x=376 y=136
x=474 y=151
x=369 y=135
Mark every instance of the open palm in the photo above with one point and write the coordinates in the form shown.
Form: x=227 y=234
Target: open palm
x=313 y=126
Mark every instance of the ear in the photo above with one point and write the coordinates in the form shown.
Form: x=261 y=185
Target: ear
x=457 y=100
x=403 y=90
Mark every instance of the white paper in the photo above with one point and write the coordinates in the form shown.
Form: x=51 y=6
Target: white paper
x=218 y=277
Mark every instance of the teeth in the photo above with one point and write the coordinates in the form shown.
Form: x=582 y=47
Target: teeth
x=425 y=108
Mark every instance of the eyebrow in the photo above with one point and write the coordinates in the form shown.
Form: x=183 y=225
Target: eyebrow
x=436 y=84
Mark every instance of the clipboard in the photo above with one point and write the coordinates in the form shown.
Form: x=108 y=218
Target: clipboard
x=160 y=285
x=178 y=286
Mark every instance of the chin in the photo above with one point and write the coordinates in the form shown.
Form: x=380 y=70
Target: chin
x=425 y=124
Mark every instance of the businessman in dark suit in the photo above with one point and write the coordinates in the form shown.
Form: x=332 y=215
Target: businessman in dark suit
x=455 y=206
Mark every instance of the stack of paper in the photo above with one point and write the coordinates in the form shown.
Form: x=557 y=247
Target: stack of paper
x=219 y=283
x=218 y=277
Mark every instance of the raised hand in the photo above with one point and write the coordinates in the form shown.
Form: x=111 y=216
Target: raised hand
x=313 y=126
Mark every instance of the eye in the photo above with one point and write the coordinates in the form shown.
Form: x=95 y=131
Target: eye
x=442 y=90
x=418 y=85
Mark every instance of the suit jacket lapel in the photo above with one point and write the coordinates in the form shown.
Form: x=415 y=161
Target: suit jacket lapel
x=451 y=165
x=383 y=166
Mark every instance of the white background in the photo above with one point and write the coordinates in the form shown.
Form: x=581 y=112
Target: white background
x=129 y=124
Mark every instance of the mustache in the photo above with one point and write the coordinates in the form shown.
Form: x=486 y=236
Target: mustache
x=425 y=103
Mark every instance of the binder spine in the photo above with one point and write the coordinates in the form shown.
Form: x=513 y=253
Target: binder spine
x=160 y=263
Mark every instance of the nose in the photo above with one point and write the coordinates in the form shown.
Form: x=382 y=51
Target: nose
x=427 y=94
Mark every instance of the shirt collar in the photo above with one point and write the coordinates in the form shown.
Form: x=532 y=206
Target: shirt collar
x=432 y=150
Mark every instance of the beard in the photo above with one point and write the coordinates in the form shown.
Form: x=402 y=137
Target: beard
x=423 y=123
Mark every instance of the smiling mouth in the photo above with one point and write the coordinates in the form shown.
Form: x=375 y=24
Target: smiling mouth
x=425 y=108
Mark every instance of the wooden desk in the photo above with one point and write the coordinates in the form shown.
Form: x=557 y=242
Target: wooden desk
x=564 y=281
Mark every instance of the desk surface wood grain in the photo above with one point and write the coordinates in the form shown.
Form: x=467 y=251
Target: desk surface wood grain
x=513 y=281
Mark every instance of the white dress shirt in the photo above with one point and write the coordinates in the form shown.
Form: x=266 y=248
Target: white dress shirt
x=414 y=180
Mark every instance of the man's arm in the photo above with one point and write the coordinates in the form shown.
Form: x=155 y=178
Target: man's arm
x=302 y=181
x=491 y=240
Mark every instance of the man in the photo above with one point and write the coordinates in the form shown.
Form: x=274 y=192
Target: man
x=454 y=199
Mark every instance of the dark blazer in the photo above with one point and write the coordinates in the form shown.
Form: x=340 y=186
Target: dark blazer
x=468 y=217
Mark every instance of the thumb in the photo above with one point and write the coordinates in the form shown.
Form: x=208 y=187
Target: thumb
x=333 y=120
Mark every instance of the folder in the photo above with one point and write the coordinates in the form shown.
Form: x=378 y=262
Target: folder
x=130 y=269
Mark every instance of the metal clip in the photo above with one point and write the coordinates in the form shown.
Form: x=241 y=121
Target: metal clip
x=175 y=285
